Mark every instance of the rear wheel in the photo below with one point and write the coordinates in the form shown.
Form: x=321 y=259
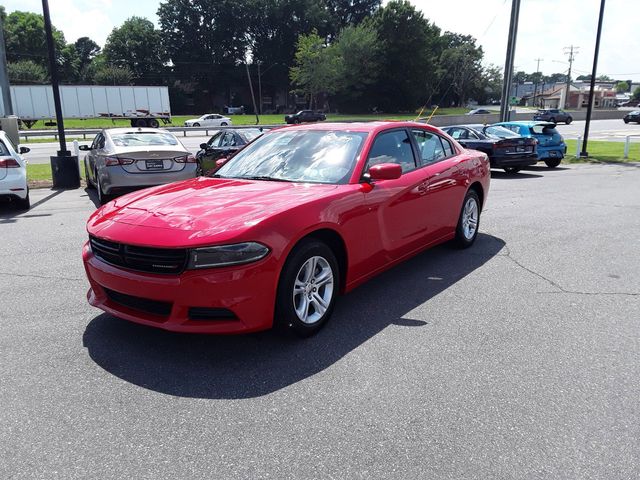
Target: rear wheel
x=141 y=123
x=469 y=221
x=102 y=197
x=552 y=120
x=626 y=121
x=153 y=123
x=512 y=169
x=224 y=124
x=553 y=163
x=568 y=120
x=308 y=289
x=24 y=203
x=86 y=176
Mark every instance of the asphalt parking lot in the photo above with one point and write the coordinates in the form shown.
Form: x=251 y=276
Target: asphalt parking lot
x=516 y=359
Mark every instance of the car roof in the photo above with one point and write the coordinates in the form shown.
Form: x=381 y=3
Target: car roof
x=526 y=124
x=121 y=130
x=371 y=127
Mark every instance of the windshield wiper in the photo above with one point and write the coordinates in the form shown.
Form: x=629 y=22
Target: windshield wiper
x=264 y=177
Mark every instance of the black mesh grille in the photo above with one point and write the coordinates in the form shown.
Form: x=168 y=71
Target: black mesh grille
x=146 y=305
x=205 y=313
x=145 y=259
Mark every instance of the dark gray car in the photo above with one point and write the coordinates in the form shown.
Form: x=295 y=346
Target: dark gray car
x=553 y=115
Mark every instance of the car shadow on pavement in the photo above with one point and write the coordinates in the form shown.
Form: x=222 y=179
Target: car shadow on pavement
x=247 y=366
x=512 y=176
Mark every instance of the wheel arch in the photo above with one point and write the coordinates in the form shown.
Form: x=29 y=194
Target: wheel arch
x=335 y=242
x=477 y=187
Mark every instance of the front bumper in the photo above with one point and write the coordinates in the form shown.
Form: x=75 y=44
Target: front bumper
x=247 y=291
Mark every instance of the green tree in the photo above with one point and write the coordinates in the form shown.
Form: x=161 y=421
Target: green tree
x=460 y=67
x=87 y=50
x=584 y=78
x=603 y=78
x=520 y=77
x=410 y=47
x=636 y=94
x=136 y=45
x=490 y=84
x=26 y=72
x=622 y=87
x=346 y=13
x=556 y=78
x=316 y=68
x=25 y=38
x=358 y=52
x=110 y=75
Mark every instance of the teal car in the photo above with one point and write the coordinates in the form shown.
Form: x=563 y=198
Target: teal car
x=551 y=147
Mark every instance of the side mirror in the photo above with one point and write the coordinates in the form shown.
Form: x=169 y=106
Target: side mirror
x=24 y=150
x=84 y=148
x=203 y=146
x=385 y=171
x=221 y=161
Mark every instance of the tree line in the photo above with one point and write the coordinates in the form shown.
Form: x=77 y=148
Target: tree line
x=345 y=55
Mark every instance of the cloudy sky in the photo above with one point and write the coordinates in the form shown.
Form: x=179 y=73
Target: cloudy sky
x=545 y=28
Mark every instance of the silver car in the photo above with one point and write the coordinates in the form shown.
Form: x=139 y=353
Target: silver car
x=123 y=159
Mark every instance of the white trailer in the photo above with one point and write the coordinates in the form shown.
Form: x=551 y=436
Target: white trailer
x=143 y=106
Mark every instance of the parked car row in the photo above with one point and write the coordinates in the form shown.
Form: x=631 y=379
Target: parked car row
x=513 y=145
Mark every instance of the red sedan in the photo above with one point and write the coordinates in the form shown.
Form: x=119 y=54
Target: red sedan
x=295 y=218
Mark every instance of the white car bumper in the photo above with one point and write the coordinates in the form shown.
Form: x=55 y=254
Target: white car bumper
x=14 y=184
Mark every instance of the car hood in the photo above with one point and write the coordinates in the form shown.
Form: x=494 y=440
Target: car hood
x=199 y=211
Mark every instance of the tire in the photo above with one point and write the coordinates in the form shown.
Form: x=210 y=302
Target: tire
x=153 y=123
x=568 y=120
x=298 y=285
x=102 y=197
x=224 y=124
x=141 y=123
x=553 y=163
x=24 y=203
x=195 y=125
x=512 y=170
x=625 y=120
x=86 y=176
x=469 y=221
x=552 y=120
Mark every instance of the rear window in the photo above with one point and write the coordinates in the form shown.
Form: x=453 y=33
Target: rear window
x=134 y=139
x=543 y=130
x=499 y=132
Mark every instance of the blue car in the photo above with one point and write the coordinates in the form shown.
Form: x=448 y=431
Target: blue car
x=551 y=146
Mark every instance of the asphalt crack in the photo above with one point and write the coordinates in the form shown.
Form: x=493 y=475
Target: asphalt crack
x=45 y=277
x=555 y=284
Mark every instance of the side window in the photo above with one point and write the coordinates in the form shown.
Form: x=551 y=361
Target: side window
x=215 y=140
x=458 y=133
x=392 y=147
x=228 y=140
x=98 y=142
x=430 y=146
x=448 y=149
x=513 y=128
x=473 y=135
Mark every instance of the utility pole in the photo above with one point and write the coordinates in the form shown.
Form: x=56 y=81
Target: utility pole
x=584 y=153
x=571 y=51
x=508 y=64
x=535 y=86
x=4 y=76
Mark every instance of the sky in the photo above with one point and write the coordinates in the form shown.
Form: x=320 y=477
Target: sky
x=546 y=27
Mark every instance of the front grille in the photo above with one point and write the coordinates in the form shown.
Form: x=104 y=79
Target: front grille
x=146 y=305
x=205 y=313
x=144 y=259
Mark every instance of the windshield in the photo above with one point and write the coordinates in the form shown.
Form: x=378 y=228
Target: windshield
x=133 y=139
x=316 y=156
x=499 y=132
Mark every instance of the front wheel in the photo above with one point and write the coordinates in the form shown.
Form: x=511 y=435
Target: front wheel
x=512 y=170
x=224 y=124
x=195 y=124
x=553 y=163
x=568 y=120
x=469 y=221
x=307 y=289
x=552 y=120
x=626 y=121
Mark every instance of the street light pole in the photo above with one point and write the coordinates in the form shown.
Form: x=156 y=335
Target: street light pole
x=584 y=152
x=64 y=166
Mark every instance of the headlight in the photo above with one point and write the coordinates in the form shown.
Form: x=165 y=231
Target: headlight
x=225 y=255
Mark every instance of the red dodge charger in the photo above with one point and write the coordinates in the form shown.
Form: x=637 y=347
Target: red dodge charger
x=292 y=220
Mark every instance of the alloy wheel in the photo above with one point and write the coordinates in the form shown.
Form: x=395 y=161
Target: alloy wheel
x=313 y=289
x=470 y=218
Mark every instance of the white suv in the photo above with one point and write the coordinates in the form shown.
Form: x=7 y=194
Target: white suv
x=13 y=173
